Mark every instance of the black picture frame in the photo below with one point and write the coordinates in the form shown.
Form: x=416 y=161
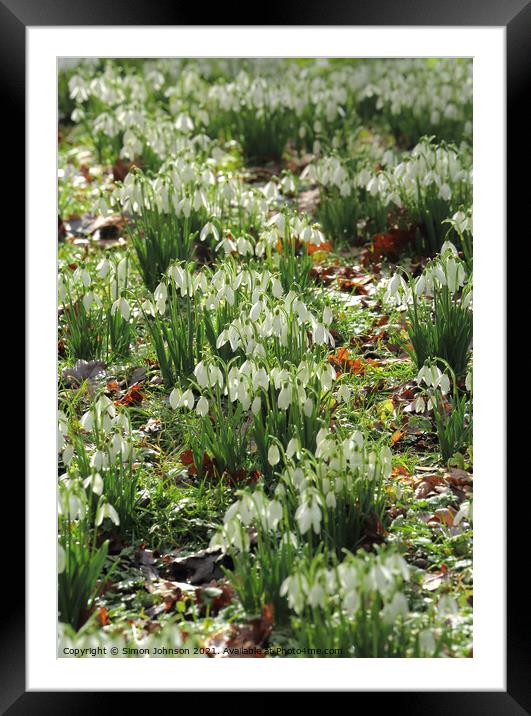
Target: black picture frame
x=515 y=15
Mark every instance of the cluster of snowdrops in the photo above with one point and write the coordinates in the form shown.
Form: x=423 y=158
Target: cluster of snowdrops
x=216 y=285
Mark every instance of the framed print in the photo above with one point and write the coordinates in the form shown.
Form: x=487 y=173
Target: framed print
x=266 y=356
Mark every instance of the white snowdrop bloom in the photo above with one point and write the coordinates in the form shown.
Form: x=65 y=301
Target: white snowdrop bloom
x=392 y=287
x=244 y=246
x=209 y=229
x=122 y=305
x=295 y=588
x=468 y=381
x=397 y=607
x=448 y=247
x=260 y=379
x=327 y=376
x=386 y=460
x=327 y=316
x=373 y=186
x=316 y=596
x=276 y=288
x=160 y=304
x=420 y=405
x=270 y=191
x=95 y=482
x=427 y=642
x=103 y=268
x=186 y=400
x=255 y=311
x=301 y=309
x=184 y=123
x=424 y=375
x=215 y=376
x=78 y=88
x=201 y=375
x=104 y=510
x=88 y=300
x=227 y=244
x=288 y=184
x=293 y=447
x=464 y=512
x=229 y=295
x=303 y=517
x=87 y=421
x=444 y=384
x=68 y=454
x=202 y=406
x=284 y=397
x=274 y=514
x=97 y=460
x=331 y=500
x=447 y=606
x=256 y=405
x=343 y=394
x=320 y=334
x=435 y=375
x=420 y=285
x=222 y=339
x=273 y=455
x=175 y=397
x=279 y=221
x=380 y=578
x=308 y=407
x=351 y=602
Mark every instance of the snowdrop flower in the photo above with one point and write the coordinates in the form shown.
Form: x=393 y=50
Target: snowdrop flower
x=68 y=454
x=447 y=606
x=207 y=230
x=397 y=607
x=274 y=514
x=202 y=406
x=465 y=512
x=293 y=447
x=420 y=405
x=351 y=602
x=270 y=191
x=103 y=268
x=327 y=376
x=308 y=407
x=87 y=421
x=308 y=515
x=104 y=510
x=175 y=397
x=426 y=642
x=343 y=394
x=186 y=400
x=273 y=455
x=294 y=587
x=260 y=379
x=256 y=405
x=121 y=305
x=276 y=288
x=284 y=397
x=444 y=384
x=201 y=374
x=316 y=596
x=95 y=482
x=331 y=500
x=184 y=123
